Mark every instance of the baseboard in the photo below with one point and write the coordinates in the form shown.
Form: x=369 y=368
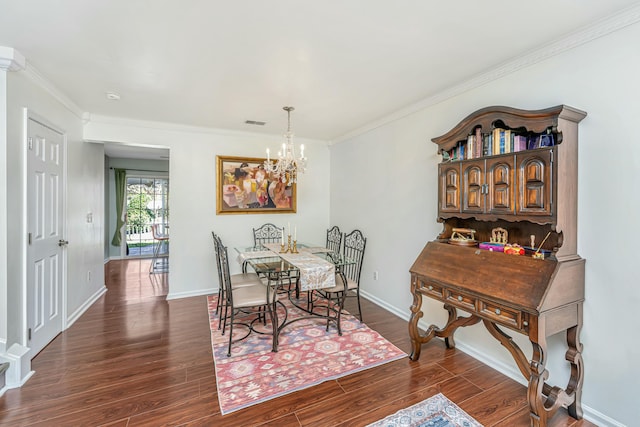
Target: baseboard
x=84 y=307
x=510 y=371
x=196 y=293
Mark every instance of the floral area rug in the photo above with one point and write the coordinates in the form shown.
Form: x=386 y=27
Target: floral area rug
x=436 y=411
x=307 y=355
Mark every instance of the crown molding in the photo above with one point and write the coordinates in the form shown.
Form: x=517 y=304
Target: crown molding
x=587 y=34
x=176 y=127
x=34 y=75
x=11 y=59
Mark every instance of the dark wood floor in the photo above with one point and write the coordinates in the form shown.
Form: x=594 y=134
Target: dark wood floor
x=136 y=359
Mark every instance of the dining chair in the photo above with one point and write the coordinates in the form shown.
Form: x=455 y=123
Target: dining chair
x=266 y=233
x=334 y=239
x=159 y=240
x=237 y=280
x=249 y=301
x=353 y=249
x=269 y=233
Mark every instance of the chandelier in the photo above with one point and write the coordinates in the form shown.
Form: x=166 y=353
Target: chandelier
x=287 y=166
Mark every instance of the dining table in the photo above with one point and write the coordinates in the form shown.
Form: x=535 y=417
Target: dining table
x=310 y=268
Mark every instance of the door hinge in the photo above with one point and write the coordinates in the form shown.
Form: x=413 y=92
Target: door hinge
x=29 y=238
x=30 y=143
x=29 y=334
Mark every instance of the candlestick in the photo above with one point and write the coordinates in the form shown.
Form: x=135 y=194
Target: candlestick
x=295 y=233
x=289 y=224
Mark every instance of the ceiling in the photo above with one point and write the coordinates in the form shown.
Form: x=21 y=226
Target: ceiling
x=342 y=64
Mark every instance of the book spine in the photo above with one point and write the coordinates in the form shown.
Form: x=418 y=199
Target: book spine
x=478 y=142
x=507 y=141
x=502 y=136
x=519 y=143
x=496 y=141
x=471 y=149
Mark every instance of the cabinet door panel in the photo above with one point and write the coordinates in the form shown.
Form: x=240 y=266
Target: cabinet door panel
x=449 y=189
x=473 y=199
x=534 y=182
x=500 y=180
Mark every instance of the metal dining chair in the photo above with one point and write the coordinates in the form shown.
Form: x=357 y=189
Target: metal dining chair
x=251 y=299
x=266 y=233
x=237 y=280
x=269 y=233
x=353 y=248
x=334 y=239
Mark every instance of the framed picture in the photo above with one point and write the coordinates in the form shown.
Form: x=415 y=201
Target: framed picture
x=244 y=187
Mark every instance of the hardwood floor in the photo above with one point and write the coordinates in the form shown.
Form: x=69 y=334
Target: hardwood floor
x=136 y=359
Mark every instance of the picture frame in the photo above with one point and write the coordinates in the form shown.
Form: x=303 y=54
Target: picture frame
x=244 y=187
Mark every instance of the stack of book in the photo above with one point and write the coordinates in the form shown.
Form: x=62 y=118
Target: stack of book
x=498 y=141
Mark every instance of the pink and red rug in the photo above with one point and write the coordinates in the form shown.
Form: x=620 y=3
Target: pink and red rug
x=308 y=355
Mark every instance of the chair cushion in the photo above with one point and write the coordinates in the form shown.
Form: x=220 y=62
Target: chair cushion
x=244 y=279
x=250 y=296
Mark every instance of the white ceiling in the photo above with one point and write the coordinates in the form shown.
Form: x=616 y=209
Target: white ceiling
x=342 y=64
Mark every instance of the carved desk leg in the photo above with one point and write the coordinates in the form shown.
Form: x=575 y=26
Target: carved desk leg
x=574 y=357
x=416 y=314
x=544 y=399
x=539 y=374
x=453 y=322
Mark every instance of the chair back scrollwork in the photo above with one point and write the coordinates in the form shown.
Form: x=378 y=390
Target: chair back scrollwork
x=266 y=233
x=334 y=239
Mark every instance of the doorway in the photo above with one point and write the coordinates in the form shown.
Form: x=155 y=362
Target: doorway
x=147 y=206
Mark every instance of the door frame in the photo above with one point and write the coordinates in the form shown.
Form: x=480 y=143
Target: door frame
x=30 y=115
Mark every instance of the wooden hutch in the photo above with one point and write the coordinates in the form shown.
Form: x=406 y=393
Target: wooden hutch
x=526 y=185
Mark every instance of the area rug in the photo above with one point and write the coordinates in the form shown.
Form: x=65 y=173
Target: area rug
x=307 y=355
x=436 y=411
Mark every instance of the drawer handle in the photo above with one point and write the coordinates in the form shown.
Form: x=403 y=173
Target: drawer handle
x=430 y=287
x=459 y=297
x=525 y=323
x=497 y=311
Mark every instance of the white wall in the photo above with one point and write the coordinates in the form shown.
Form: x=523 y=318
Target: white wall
x=84 y=191
x=384 y=182
x=192 y=194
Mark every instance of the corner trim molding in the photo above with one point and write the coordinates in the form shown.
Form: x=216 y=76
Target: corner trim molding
x=589 y=33
x=19 y=370
x=11 y=59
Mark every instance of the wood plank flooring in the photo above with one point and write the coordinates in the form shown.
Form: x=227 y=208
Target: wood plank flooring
x=136 y=359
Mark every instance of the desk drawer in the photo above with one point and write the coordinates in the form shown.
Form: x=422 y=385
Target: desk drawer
x=500 y=314
x=431 y=289
x=461 y=300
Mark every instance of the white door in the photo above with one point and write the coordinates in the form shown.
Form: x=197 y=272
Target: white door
x=45 y=227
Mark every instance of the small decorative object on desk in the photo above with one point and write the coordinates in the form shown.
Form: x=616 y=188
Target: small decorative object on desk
x=538 y=254
x=513 y=249
x=499 y=235
x=492 y=247
x=463 y=237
